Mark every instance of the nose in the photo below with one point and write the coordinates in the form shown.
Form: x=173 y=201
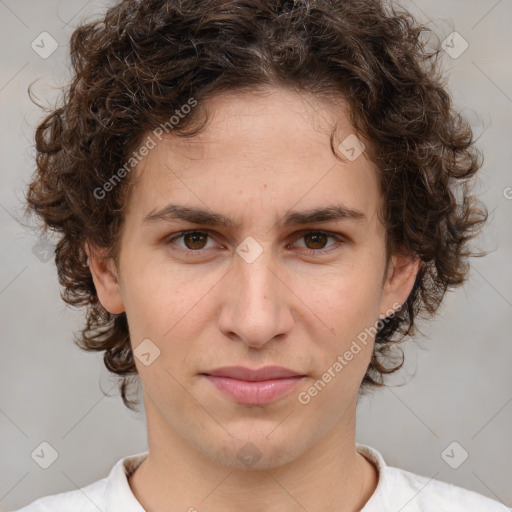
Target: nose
x=256 y=303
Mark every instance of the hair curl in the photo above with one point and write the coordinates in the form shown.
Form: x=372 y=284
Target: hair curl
x=145 y=59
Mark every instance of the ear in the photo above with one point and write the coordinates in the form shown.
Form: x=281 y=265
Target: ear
x=105 y=278
x=399 y=282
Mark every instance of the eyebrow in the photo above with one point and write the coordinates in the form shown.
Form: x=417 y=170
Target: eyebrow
x=194 y=215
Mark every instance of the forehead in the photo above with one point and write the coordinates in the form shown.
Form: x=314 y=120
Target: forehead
x=270 y=121
x=256 y=146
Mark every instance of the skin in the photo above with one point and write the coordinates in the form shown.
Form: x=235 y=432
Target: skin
x=262 y=154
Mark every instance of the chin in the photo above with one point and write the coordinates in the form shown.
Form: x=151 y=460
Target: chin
x=255 y=453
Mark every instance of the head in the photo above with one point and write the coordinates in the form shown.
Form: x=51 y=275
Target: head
x=255 y=113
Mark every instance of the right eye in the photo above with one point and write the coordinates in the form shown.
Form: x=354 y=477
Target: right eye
x=194 y=241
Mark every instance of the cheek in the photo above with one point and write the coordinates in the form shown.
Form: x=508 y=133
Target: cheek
x=346 y=305
x=343 y=356
x=167 y=304
x=344 y=299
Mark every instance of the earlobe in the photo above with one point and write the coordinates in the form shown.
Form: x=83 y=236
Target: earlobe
x=399 y=283
x=105 y=278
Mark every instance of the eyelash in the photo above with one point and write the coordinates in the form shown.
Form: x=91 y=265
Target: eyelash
x=312 y=252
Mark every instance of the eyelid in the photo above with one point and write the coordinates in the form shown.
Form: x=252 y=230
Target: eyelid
x=340 y=239
x=175 y=236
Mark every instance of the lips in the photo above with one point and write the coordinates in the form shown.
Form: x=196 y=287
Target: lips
x=265 y=373
x=248 y=386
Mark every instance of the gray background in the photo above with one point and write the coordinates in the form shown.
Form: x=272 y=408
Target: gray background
x=459 y=383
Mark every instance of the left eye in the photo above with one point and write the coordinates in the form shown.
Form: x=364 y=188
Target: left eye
x=196 y=241
x=318 y=238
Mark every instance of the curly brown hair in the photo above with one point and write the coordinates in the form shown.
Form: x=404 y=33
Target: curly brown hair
x=145 y=59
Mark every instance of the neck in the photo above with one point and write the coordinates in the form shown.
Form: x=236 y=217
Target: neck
x=329 y=476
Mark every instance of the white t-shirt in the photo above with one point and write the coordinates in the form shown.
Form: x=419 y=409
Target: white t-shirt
x=397 y=490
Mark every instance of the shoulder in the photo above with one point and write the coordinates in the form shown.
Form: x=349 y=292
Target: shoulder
x=429 y=495
x=110 y=493
x=399 y=489
x=88 y=499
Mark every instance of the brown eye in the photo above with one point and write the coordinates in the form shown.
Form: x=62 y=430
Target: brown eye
x=190 y=242
x=316 y=240
x=195 y=240
x=195 y=243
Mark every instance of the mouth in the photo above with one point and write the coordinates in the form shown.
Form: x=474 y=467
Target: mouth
x=254 y=386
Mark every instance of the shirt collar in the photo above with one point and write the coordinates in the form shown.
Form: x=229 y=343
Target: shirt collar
x=378 y=501
x=119 y=495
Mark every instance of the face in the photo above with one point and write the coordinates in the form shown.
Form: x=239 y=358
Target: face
x=264 y=287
